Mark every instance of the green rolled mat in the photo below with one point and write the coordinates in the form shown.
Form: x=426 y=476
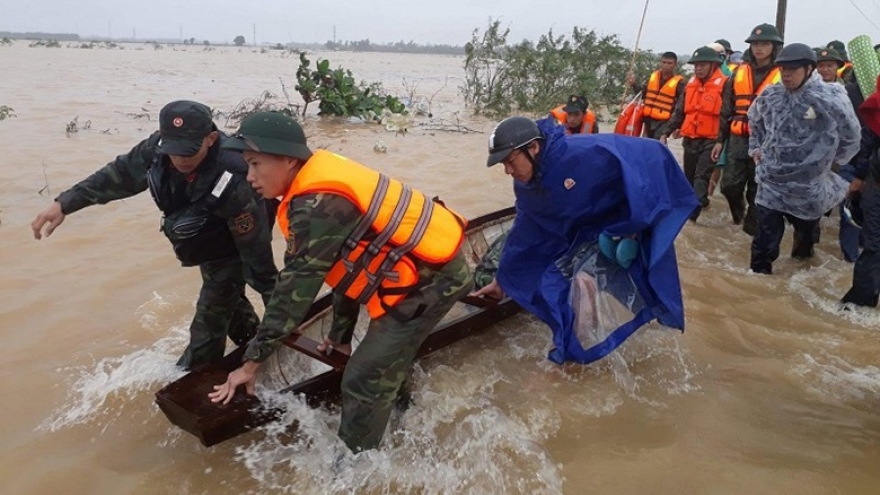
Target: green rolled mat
x=866 y=62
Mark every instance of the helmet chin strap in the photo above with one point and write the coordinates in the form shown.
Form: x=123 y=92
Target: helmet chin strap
x=536 y=164
x=807 y=77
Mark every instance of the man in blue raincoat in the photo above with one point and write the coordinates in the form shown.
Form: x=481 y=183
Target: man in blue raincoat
x=625 y=195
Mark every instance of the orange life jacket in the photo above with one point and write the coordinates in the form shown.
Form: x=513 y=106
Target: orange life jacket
x=731 y=66
x=629 y=122
x=702 y=106
x=744 y=94
x=587 y=126
x=846 y=66
x=659 y=101
x=405 y=223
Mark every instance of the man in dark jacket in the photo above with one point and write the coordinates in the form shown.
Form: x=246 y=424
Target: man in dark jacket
x=211 y=215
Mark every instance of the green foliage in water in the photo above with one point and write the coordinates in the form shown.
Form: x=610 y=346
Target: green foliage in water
x=338 y=93
x=533 y=77
x=45 y=43
x=239 y=40
x=6 y=112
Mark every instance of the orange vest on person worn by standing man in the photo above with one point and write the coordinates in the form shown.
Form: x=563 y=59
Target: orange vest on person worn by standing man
x=659 y=101
x=375 y=266
x=702 y=106
x=744 y=94
x=587 y=126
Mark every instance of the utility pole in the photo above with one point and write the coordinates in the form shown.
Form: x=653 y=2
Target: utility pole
x=180 y=27
x=255 y=34
x=780 y=16
x=334 y=35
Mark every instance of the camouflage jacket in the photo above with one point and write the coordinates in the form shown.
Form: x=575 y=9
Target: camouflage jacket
x=244 y=211
x=319 y=225
x=737 y=146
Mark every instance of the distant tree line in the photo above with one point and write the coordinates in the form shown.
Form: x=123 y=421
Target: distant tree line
x=40 y=36
x=397 y=47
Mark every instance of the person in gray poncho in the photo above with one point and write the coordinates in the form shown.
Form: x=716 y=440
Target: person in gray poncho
x=799 y=129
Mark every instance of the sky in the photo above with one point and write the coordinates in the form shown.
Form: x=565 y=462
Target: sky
x=670 y=25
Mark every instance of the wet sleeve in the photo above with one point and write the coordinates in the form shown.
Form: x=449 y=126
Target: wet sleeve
x=319 y=226
x=726 y=111
x=870 y=143
x=345 y=318
x=122 y=178
x=248 y=221
x=757 y=124
x=848 y=130
x=674 y=122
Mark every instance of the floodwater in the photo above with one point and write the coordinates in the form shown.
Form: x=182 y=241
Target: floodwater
x=772 y=389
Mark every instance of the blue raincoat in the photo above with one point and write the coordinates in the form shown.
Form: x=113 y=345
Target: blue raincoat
x=585 y=185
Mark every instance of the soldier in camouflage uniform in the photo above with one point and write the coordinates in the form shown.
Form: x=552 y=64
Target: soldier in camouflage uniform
x=212 y=217
x=318 y=226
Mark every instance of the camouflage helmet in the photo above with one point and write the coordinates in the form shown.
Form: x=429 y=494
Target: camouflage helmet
x=705 y=54
x=765 y=32
x=829 y=55
x=796 y=55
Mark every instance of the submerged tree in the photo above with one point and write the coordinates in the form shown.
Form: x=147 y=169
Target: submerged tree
x=536 y=76
x=239 y=40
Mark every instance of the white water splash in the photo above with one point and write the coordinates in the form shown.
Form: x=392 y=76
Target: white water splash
x=832 y=376
x=127 y=376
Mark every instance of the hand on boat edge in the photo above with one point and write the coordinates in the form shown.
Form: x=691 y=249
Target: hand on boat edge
x=245 y=375
x=493 y=291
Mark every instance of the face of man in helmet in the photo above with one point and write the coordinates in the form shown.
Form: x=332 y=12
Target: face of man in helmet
x=761 y=52
x=518 y=165
x=574 y=119
x=828 y=70
x=793 y=77
x=703 y=69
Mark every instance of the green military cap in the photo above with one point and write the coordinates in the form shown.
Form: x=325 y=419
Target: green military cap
x=829 y=55
x=270 y=132
x=840 y=48
x=765 y=32
x=726 y=44
x=705 y=54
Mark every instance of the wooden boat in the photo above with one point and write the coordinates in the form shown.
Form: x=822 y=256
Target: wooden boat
x=298 y=367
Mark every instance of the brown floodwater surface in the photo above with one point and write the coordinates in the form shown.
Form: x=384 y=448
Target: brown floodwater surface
x=771 y=390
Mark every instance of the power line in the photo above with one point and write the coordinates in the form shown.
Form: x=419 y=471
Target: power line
x=863 y=14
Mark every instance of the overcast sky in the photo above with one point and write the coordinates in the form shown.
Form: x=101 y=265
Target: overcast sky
x=678 y=25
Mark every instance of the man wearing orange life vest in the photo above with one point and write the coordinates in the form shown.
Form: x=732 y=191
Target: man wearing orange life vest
x=376 y=242
x=847 y=71
x=576 y=116
x=661 y=93
x=696 y=118
x=746 y=83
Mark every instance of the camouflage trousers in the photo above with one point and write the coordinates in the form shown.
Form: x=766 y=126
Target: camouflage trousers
x=698 y=168
x=486 y=270
x=739 y=178
x=222 y=309
x=380 y=365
